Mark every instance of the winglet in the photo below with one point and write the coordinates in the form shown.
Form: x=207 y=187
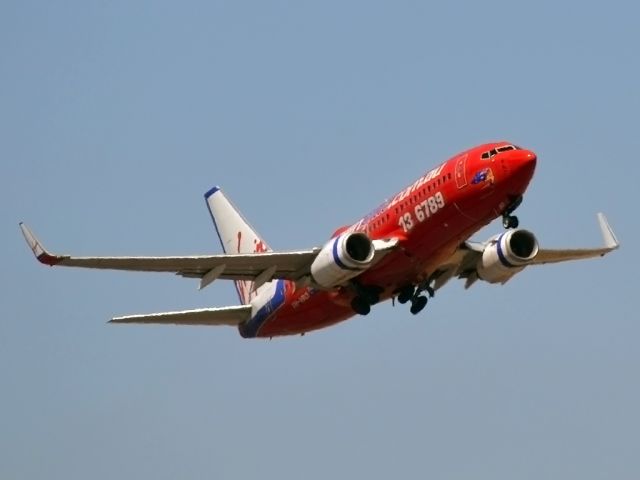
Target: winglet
x=610 y=240
x=36 y=247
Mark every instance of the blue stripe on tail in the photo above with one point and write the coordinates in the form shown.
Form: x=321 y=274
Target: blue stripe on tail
x=251 y=327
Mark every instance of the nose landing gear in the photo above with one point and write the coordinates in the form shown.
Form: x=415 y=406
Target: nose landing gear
x=508 y=220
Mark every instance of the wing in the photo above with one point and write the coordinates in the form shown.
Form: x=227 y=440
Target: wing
x=563 y=255
x=463 y=262
x=259 y=267
x=206 y=316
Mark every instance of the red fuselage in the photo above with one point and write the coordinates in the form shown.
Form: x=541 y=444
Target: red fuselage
x=431 y=217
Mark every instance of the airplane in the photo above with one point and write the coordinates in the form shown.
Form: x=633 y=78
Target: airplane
x=404 y=250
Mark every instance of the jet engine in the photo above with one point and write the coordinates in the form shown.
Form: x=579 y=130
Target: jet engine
x=342 y=258
x=506 y=255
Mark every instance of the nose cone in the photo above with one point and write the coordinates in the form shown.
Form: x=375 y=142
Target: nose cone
x=521 y=162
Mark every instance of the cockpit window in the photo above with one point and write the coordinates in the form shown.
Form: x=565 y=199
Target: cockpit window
x=489 y=154
x=495 y=151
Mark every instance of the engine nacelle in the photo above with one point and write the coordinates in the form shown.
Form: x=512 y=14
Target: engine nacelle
x=342 y=258
x=505 y=256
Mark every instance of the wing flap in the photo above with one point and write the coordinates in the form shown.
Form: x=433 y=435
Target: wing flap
x=231 y=316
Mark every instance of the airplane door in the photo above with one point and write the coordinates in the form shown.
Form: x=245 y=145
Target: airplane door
x=461 y=171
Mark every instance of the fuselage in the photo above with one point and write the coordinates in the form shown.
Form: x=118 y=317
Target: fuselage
x=431 y=217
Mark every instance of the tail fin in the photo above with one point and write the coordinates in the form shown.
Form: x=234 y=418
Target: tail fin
x=235 y=234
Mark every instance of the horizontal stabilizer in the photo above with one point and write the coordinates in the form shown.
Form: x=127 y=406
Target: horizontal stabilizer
x=205 y=316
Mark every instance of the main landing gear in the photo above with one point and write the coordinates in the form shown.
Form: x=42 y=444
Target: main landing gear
x=508 y=220
x=365 y=297
x=412 y=294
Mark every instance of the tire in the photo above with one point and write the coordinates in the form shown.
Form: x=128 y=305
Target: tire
x=360 y=306
x=418 y=304
x=405 y=294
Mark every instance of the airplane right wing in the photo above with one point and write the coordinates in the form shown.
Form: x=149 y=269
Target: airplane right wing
x=257 y=267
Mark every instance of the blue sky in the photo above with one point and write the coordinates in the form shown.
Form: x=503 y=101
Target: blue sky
x=117 y=116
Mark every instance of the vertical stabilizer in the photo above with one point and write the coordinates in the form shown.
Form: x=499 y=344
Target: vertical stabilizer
x=235 y=234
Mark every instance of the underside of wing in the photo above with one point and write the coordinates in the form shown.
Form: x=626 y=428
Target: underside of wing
x=563 y=255
x=462 y=264
x=206 y=316
x=246 y=266
x=258 y=267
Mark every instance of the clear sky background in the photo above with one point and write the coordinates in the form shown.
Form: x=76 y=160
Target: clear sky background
x=116 y=117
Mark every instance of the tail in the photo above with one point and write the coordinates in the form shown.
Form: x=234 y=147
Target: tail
x=235 y=234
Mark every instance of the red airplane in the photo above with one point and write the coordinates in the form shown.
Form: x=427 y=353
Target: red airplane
x=405 y=249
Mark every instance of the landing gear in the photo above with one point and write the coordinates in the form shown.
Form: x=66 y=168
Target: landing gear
x=508 y=220
x=365 y=297
x=369 y=293
x=418 y=303
x=406 y=293
x=414 y=294
x=360 y=306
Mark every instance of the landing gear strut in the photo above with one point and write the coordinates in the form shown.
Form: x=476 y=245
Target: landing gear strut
x=508 y=220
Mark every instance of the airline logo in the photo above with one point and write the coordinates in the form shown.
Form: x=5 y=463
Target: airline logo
x=430 y=175
x=483 y=176
x=245 y=287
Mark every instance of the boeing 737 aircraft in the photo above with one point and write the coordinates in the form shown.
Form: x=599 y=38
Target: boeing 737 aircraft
x=405 y=249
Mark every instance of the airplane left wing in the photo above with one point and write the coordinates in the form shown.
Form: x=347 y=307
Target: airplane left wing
x=562 y=255
x=466 y=259
x=231 y=316
x=259 y=267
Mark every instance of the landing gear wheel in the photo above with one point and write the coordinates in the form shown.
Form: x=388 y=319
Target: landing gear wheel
x=418 y=303
x=405 y=294
x=372 y=295
x=360 y=306
x=510 y=221
x=368 y=293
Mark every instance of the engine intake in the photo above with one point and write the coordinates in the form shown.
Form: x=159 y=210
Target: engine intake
x=508 y=254
x=342 y=258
